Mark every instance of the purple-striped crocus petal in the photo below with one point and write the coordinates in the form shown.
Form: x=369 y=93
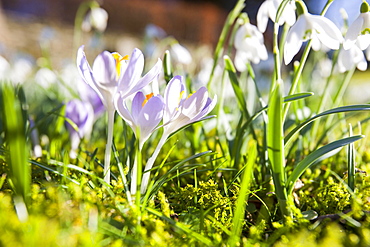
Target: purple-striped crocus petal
x=132 y=73
x=104 y=70
x=174 y=93
x=150 y=116
x=85 y=70
x=195 y=103
x=150 y=76
x=137 y=106
x=121 y=107
x=211 y=103
x=131 y=81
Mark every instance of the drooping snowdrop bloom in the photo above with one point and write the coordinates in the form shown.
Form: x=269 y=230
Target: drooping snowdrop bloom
x=179 y=111
x=269 y=8
x=145 y=114
x=347 y=59
x=97 y=19
x=249 y=46
x=180 y=53
x=82 y=115
x=359 y=31
x=317 y=28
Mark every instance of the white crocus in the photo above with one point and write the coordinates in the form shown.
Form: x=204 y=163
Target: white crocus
x=249 y=46
x=317 y=28
x=269 y=8
x=359 y=31
x=354 y=56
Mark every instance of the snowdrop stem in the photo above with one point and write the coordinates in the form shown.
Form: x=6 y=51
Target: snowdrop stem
x=223 y=36
x=150 y=163
x=80 y=15
x=108 y=147
x=302 y=63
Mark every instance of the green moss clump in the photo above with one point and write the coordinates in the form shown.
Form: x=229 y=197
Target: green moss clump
x=330 y=197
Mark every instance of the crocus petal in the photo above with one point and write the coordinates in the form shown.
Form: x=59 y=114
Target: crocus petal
x=173 y=94
x=195 y=103
x=132 y=73
x=150 y=116
x=121 y=107
x=104 y=70
x=294 y=39
x=137 y=105
x=85 y=71
x=148 y=77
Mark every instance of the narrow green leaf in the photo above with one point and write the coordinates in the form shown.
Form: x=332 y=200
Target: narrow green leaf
x=229 y=66
x=20 y=172
x=275 y=146
x=243 y=197
x=316 y=156
x=341 y=109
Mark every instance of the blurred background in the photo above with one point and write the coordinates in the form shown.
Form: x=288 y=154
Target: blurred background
x=36 y=27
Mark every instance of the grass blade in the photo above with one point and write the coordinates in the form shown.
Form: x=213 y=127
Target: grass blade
x=316 y=156
x=243 y=195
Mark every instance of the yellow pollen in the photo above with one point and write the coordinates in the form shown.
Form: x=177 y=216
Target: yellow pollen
x=119 y=59
x=147 y=97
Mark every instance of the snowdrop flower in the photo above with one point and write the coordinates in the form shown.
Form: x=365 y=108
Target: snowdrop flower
x=111 y=73
x=145 y=114
x=97 y=18
x=269 y=8
x=249 y=46
x=180 y=53
x=317 y=28
x=82 y=115
x=359 y=31
x=351 y=57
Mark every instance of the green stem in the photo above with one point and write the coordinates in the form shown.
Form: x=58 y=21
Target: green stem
x=150 y=163
x=108 y=147
x=302 y=63
x=224 y=33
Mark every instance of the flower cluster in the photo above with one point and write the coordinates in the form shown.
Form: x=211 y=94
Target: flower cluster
x=118 y=81
x=321 y=31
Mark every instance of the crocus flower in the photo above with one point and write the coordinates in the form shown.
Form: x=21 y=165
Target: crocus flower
x=180 y=110
x=269 y=8
x=347 y=59
x=249 y=46
x=82 y=115
x=317 y=28
x=359 y=31
x=111 y=73
x=145 y=114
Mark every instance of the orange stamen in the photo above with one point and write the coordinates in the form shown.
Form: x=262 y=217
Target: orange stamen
x=119 y=59
x=147 y=97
